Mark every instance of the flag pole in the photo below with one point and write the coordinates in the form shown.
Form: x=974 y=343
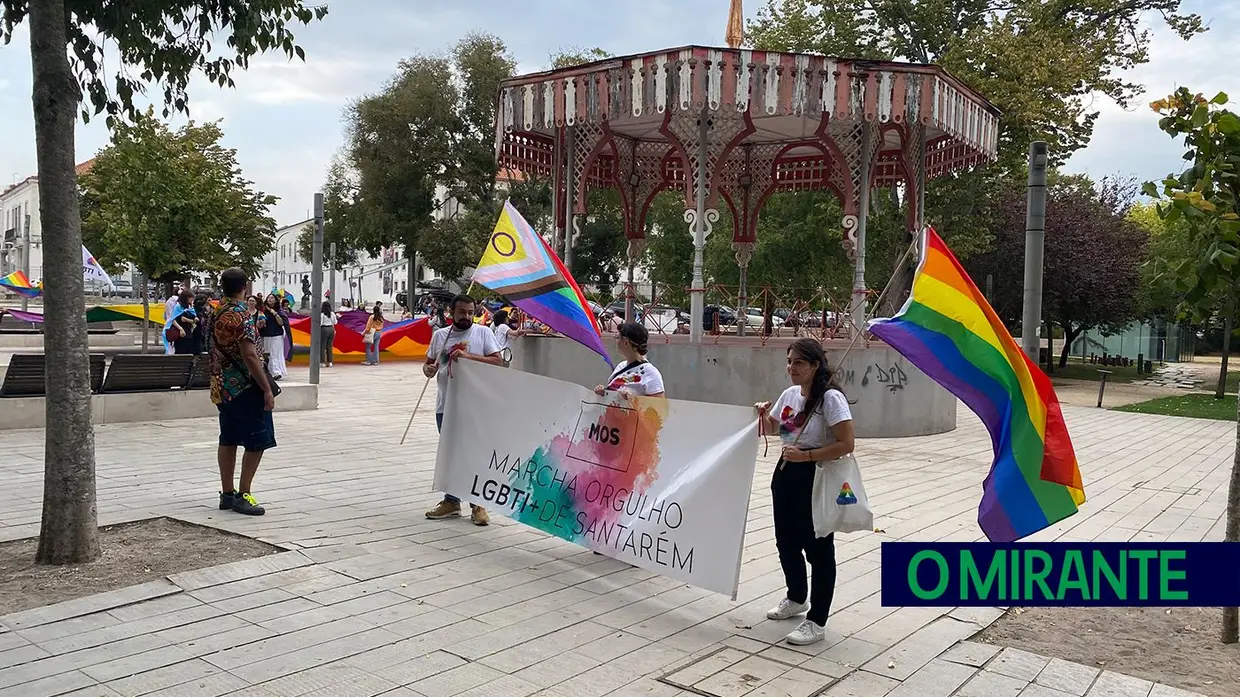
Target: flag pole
x=878 y=301
x=415 y=410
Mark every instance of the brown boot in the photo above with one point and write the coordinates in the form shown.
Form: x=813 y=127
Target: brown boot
x=479 y=515
x=445 y=509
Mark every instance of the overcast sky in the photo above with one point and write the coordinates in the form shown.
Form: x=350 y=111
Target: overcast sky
x=285 y=118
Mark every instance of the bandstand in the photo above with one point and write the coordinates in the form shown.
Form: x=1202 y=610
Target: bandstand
x=730 y=127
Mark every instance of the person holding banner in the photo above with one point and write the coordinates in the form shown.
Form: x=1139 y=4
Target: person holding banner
x=814 y=422
x=635 y=375
x=460 y=340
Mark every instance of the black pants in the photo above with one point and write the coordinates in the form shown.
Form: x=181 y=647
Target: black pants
x=792 y=489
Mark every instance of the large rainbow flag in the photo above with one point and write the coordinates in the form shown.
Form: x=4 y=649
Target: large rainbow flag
x=948 y=330
x=20 y=284
x=519 y=265
x=405 y=338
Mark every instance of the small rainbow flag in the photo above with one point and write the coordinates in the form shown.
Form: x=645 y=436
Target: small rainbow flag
x=519 y=265
x=18 y=283
x=948 y=330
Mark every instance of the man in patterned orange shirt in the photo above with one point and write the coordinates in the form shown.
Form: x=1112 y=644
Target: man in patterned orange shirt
x=241 y=392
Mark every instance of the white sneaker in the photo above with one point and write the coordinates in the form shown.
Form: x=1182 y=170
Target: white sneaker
x=807 y=633
x=786 y=610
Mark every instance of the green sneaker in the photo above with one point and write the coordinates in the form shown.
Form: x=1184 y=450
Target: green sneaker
x=246 y=504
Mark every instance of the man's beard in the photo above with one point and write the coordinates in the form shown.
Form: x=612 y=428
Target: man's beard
x=463 y=324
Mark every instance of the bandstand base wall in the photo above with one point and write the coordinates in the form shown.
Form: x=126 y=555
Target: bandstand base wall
x=889 y=397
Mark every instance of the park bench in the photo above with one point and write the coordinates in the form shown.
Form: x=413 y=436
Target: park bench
x=200 y=378
x=137 y=372
x=26 y=375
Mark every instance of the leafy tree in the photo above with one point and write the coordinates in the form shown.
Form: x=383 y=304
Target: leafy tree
x=431 y=128
x=669 y=247
x=998 y=47
x=458 y=242
x=164 y=43
x=576 y=55
x=1206 y=196
x=1093 y=258
x=601 y=248
x=339 y=194
x=173 y=202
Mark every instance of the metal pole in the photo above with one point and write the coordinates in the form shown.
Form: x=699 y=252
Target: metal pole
x=570 y=146
x=1035 y=238
x=863 y=205
x=316 y=292
x=26 y=259
x=697 y=294
x=331 y=283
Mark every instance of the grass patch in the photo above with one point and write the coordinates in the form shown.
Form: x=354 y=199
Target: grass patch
x=1085 y=371
x=1197 y=406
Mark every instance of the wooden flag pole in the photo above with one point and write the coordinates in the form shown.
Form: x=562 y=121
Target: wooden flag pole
x=415 y=410
x=878 y=301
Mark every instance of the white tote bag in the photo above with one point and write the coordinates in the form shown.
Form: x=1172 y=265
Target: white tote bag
x=840 y=503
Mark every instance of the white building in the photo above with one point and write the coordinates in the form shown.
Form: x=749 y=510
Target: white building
x=21 y=223
x=371 y=278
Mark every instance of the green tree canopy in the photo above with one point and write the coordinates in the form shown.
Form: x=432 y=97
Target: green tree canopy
x=172 y=202
x=1093 y=257
x=1206 y=196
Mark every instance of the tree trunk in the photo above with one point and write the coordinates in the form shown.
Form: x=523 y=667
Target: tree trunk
x=1228 y=325
x=69 y=533
x=1069 y=335
x=1050 y=348
x=146 y=317
x=1231 y=615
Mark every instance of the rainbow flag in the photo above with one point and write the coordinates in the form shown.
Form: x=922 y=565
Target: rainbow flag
x=18 y=283
x=519 y=265
x=948 y=330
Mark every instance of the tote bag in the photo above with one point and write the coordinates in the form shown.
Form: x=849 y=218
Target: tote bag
x=839 y=500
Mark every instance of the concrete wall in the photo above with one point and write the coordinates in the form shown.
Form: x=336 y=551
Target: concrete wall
x=29 y=412
x=35 y=341
x=889 y=397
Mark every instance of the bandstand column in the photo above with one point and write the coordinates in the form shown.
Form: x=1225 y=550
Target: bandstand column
x=744 y=253
x=863 y=204
x=701 y=220
x=634 y=253
x=570 y=194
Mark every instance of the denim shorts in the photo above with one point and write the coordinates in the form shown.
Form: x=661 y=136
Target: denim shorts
x=244 y=422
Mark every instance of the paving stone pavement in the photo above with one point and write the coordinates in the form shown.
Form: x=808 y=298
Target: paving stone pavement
x=373 y=599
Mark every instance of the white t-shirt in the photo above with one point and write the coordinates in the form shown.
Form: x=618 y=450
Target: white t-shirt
x=785 y=410
x=478 y=340
x=502 y=336
x=641 y=379
x=329 y=319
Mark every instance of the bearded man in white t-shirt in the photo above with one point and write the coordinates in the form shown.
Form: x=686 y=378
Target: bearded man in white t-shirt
x=460 y=340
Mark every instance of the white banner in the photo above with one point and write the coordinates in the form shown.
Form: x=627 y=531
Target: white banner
x=660 y=484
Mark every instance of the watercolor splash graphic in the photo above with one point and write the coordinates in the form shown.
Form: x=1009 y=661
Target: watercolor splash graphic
x=575 y=484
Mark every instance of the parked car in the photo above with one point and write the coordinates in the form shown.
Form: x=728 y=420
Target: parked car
x=616 y=309
x=120 y=288
x=715 y=317
x=661 y=319
x=755 y=318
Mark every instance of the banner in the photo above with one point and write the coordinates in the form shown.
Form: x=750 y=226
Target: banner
x=660 y=484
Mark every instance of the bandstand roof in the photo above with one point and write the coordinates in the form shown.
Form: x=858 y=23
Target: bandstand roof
x=786 y=96
x=774 y=121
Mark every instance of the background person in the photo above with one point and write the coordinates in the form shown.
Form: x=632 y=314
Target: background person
x=461 y=340
x=814 y=422
x=327 y=333
x=506 y=329
x=272 y=332
x=373 y=332
x=635 y=375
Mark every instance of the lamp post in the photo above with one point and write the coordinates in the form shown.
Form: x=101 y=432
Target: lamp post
x=276 y=253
